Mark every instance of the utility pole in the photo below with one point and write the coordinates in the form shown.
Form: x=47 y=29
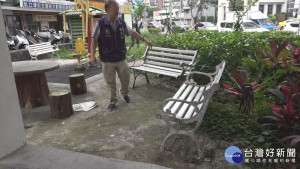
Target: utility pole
x=171 y=13
x=180 y=10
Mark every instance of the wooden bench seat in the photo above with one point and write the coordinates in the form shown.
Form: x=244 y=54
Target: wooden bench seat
x=165 y=61
x=189 y=104
x=42 y=48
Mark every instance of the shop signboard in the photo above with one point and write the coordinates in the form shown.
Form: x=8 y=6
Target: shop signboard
x=126 y=9
x=44 y=18
x=47 y=4
x=99 y=5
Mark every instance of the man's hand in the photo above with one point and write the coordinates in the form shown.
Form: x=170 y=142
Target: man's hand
x=149 y=44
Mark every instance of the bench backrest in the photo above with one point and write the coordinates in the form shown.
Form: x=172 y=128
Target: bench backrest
x=40 y=48
x=169 y=58
x=192 y=93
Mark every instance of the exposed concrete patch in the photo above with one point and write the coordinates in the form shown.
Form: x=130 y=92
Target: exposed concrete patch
x=131 y=132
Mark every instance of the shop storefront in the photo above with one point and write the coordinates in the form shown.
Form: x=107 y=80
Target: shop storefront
x=35 y=15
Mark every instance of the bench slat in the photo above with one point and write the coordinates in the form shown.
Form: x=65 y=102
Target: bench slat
x=42 y=52
x=162 y=68
x=191 y=110
x=185 y=106
x=178 y=56
x=182 y=97
x=40 y=44
x=174 y=50
x=158 y=71
x=167 y=60
x=176 y=96
x=163 y=64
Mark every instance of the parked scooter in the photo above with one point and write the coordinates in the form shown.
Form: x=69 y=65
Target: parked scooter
x=44 y=37
x=30 y=38
x=19 y=40
x=10 y=42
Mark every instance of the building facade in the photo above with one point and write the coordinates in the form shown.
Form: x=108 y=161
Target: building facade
x=35 y=15
x=267 y=7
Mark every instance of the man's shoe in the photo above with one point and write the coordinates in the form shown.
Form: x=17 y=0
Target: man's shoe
x=126 y=99
x=111 y=107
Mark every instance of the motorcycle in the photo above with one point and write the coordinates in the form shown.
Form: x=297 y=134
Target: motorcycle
x=20 y=42
x=30 y=38
x=54 y=38
x=10 y=42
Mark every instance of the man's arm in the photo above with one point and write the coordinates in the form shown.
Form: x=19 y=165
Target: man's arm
x=93 y=49
x=141 y=38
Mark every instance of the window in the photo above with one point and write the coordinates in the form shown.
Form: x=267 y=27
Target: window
x=223 y=25
x=255 y=20
x=270 y=9
x=237 y=6
x=229 y=25
x=261 y=8
x=278 y=8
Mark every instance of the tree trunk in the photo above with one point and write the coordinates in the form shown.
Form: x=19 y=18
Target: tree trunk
x=77 y=84
x=60 y=104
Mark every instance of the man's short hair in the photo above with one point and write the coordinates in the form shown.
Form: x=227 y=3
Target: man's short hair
x=108 y=3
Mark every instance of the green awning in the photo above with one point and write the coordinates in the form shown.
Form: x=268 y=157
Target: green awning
x=95 y=12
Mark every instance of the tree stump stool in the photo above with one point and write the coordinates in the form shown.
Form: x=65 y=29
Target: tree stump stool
x=60 y=104
x=77 y=84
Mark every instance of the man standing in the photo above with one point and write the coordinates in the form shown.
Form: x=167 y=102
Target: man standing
x=110 y=36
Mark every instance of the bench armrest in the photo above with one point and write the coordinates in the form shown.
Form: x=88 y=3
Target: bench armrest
x=55 y=47
x=191 y=81
x=132 y=59
x=186 y=67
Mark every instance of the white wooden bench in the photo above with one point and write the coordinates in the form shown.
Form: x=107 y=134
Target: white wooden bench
x=165 y=61
x=189 y=104
x=42 y=48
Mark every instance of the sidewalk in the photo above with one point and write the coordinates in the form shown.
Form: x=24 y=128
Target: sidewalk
x=131 y=132
x=67 y=67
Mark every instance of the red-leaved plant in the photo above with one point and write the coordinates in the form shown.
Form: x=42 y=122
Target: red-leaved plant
x=286 y=118
x=245 y=90
x=275 y=54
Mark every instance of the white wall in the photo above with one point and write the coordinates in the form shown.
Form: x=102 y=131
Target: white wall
x=12 y=133
x=229 y=15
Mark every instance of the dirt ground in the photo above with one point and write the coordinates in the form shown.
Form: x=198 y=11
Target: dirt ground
x=131 y=132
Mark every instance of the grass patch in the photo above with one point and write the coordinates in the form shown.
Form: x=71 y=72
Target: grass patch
x=64 y=53
x=137 y=51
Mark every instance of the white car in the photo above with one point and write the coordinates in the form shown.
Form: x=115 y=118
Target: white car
x=206 y=25
x=247 y=26
x=292 y=26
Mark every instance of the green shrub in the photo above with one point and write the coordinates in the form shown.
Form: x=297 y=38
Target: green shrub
x=239 y=49
x=273 y=18
x=176 y=29
x=154 y=31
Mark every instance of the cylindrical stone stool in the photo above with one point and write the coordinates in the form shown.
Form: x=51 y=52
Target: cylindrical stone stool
x=60 y=104
x=77 y=84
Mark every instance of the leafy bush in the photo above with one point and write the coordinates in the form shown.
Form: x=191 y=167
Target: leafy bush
x=154 y=31
x=176 y=29
x=239 y=49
